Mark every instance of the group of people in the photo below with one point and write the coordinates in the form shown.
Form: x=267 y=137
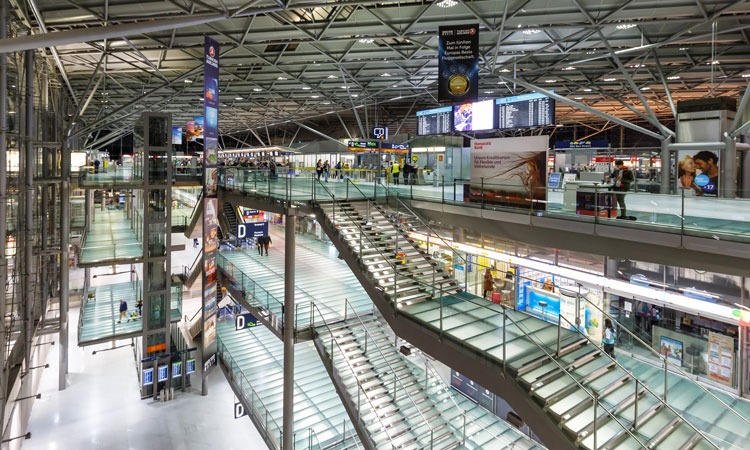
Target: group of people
x=124 y=311
x=323 y=170
x=408 y=169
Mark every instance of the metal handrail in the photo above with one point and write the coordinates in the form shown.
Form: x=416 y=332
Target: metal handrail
x=662 y=401
x=367 y=334
x=346 y=360
x=187 y=270
x=666 y=361
x=242 y=373
x=344 y=437
x=428 y=365
x=255 y=285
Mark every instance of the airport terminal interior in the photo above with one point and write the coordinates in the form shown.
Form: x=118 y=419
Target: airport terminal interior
x=375 y=224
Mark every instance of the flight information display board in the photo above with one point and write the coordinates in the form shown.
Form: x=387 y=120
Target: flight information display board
x=524 y=111
x=435 y=121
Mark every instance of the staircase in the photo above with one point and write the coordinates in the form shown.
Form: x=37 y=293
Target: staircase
x=230 y=214
x=397 y=403
x=196 y=217
x=591 y=398
x=190 y=274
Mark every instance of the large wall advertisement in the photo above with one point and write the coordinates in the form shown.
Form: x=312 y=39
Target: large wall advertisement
x=458 y=63
x=509 y=170
x=210 y=202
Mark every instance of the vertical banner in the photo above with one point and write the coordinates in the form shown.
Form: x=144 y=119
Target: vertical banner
x=458 y=63
x=209 y=130
x=720 y=358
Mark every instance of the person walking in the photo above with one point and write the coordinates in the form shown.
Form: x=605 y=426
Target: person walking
x=123 y=310
x=259 y=245
x=319 y=168
x=326 y=169
x=622 y=177
x=489 y=284
x=396 y=171
x=266 y=243
x=609 y=338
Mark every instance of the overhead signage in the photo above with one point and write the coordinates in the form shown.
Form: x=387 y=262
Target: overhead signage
x=374 y=146
x=524 y=111
x=591 y=143
x=210 y=131
x=458 y=63
x=176 y=370
x=435 y=121
x=190 y=366
x=253 y=229
x=245 y=320
x=380 y=133
x=395 y=148
x=477 y=116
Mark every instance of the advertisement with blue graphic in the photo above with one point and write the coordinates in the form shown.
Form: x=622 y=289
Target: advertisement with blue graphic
x=698 y=172
x=458 y=63
x=176 y=135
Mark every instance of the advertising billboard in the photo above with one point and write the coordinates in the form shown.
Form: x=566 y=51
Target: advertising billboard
x=698 y=172
x=458 y=63
x=476 y=116
x=510 y=171
x=176 y=135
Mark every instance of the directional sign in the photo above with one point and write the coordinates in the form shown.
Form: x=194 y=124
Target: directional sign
x=245 y=320
x=239 y=410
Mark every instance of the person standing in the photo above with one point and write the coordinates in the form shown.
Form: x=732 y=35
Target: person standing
x=326 y=169
x=319 y=168
x=622 y=177
x=123 y=310
x=489 y=284
x=396 y=171
x=609 y=338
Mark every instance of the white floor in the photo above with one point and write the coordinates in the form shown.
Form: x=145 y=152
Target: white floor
x=102 y=409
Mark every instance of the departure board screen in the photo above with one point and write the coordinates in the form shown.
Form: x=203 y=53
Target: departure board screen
x=435 y=121
x=524 y=111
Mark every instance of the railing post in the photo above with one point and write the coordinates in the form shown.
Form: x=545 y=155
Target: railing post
x=682 y=215
x=442 y=187
x=454 y=190
x=504 y=343
x=596 y=406
x=346 y=182
x=481 y=193
x=665 y=380
x=463 y=434
x=559 y=327
x=635 y=405
x=441 y=312
x=596 y=203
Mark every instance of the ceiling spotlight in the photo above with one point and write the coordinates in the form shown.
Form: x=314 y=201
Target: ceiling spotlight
x=505 y=70
x=282 y=78
x=569 y=68
x=587 y=90
x=579 y=98
x=531 y=31
x=257 y=89
x=355 y=95
x=306 y=88
x=715 y=62
x=447 y=3
x=385 y=74
x=636 y=66
x=366 y=41
x=238 y=98
x=332 y=76
x=201 y=99
x=187 y=80
x=550 y=81
x=590 y=52
x=645 y=88
x=609 y=79
x=626 y=26
x=315 y=96
x=343 y=87
x=673 y=77
x=683 y=49
x=502 y=82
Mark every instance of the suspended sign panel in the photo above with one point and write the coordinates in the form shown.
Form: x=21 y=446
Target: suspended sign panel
x=458 y=63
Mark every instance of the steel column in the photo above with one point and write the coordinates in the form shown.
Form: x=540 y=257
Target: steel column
x=666 y=166
x=3 y=201
x=288 y=410
x=28 y=222
x=64 y=269
x=728 y=168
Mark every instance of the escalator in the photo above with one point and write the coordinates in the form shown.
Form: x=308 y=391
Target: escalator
x=230 y=216
x=554 y=376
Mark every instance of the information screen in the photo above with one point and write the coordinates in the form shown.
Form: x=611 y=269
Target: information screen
x=524 y=111
x=435 y=121
x=474 y=116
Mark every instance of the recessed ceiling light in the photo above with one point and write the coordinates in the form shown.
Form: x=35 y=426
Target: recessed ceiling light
x=579 y=98
x=609 y=79
x=315 y=96
x=447 y=3
x=626 y=26
x=683 y=48
x=187 y=80
x=366 y=40
x=355 y=95
x=673 y=77
x=306 y=88
x=257 y=89
x=587 y=90
x=531 y=31
x=281 y=78
x=238 y=98
x=746 y=75
x=569 y=68
x=550 y=81
x=385 y=74
x=645 y=88
x=332 y=76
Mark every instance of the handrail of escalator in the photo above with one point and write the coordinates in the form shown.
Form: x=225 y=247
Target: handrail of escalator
x=189 y=269
x=662 y=401
x=314 y=307
x=667 y=363
x=367 y=333
x=385 y=258
x=197 y=203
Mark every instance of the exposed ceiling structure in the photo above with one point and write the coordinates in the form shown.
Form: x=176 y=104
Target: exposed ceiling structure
x=348 y=63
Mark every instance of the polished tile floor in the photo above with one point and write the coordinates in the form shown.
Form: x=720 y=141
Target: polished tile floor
x=102 y=409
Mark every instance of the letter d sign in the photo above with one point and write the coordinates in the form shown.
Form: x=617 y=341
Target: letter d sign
x=239 y=322
x=241 y=231
x=239 y=410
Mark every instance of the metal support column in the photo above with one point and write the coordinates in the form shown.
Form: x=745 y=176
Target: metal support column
x=728 y=168
x=3 y=203
x=28 y=223
x=88 y=205
x=666 y=165
x=288 y=411
x=64 y=265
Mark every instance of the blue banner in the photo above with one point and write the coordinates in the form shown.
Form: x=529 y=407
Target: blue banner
x=252 y=230
x=458 y=63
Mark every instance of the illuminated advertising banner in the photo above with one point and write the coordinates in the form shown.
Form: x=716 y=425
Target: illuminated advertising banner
x=479 y=116
x=698 y=172
x=176 y=135
x=209 y=130
x=510 y=171
x=458 y=63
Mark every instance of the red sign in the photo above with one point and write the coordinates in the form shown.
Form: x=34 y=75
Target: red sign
x=156 y=348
